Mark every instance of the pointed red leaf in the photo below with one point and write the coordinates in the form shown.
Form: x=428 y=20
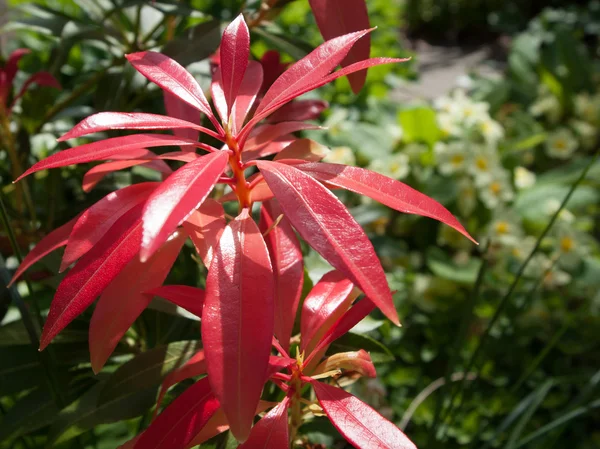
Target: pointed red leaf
x=234 y=53
x=189 y=298
x=96 y=174
x=92 y=274
x=179 y=109
x=387 y=191
x=95 y=222
x=12 y=64
x=218 y=96
x=181 y=156
x=325 y=223
x=303 y=149
x=273 y=147
x=271 y=432
x=177 y=197
x=205 y=227
x=288 y=270
x=172 y=78
x=300 y=110
x=312 y=84
x=185 y=417
x=268 y=133
x=124 y=299
x=138 y=120
x=357 y=361
x=324 y=305
x=195 y=366
x=105 y=149
x=339 y=17
x=39 y=78
x=246 y=96
x=237 y=321
x=361 y=425
x=316 y=65
x=54 y=240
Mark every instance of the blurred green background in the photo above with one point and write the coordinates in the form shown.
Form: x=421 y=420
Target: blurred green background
x=500 y=343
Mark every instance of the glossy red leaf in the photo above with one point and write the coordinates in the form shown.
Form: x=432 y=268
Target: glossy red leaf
x=137 y=120
x=360 y=424
x=177 y=197
x=316 y=65
x=172 y=78
x=95 y=222
x=92 y=274
x=189 y=298
x=246 y=96
x=124 y=299
x=234 y=52
x=271 y=432
x=96 y=174
x=54 y=240
x=303 y=149
x=325 y=223
x=12 y=63
x=218 y=96
x=299 y=110
x=196 y=366
x=339 y=17
x=105 y=149
x=323 y=306
x=268 y=133
x=273 y=147
x=312 y=84
x=387 y=191
x=205 y=227
x=183 y=111
x=288 y=269
x=179 y=423
x=237 y=321
x=277 y=363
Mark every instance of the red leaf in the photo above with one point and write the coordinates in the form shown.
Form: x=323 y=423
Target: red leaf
x=324 y=305
x=185 y=417
x=246 y=96
x=325 y=223
x=338 y=17
x=268 y=133
x=41 y=79
x=11 y=66
x=271 y=432
x=237 y=321
x=319 y=63
x=273 y=147
x=387 y=191
x=137 y=120
x=54 y=240
x=205 y=227
x=288 y=270
x=177 y=197
x=105 y=149
x=195 y=366
x=95 y=222
x=303 y=149
x=181 y=110
x=124 y=299
x=358 y=361
x=189 y=298
x=218 y=96
x=172 y=78
x=312 y=84
x=96 y=174
x=362 y=426
x=92 y=274
x=300 y=110
x=234 y=53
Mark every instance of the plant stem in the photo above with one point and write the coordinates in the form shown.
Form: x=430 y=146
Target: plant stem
x=505 y=299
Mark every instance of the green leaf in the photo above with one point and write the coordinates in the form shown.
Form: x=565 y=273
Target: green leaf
x=353 y=342
x=147 y=369
x=539 y=395
x=441 y=265
x=196 y=44
x=532 y=204
x=86 y=412
x=23 y=370
x=30 y=413
x=419 y=125
x=285 y=43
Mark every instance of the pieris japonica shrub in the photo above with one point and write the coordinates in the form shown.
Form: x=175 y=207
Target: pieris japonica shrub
x=122 y=248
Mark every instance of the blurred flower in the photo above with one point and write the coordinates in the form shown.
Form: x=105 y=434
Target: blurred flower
x=552 y=205
x=587 y=133
x=556 y=278
x=588 y=107
x=482 y=165
x=523 y=248
x=505 y=231
x=548 y=106
x=523 y=178
x=341 y=155
x=561 y=144
x=396 y=166
x=491 y=130
x=448 y=125
x=467 y=196
x=451 y=157
x=497 y=191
